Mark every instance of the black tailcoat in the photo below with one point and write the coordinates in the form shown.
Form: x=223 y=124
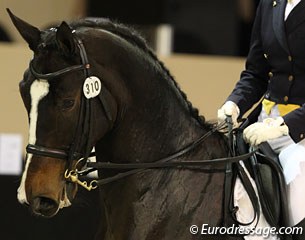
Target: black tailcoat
x=275 y=66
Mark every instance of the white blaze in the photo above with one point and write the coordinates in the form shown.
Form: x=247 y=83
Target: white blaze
x=39 y=89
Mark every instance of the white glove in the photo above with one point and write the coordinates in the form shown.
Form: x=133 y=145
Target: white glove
x=269 y=129
x=228 y=109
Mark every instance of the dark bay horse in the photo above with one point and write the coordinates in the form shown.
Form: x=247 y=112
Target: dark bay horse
x=132 y=112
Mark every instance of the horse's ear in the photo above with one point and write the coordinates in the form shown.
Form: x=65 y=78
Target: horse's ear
x=65 y=39
x=29 y=33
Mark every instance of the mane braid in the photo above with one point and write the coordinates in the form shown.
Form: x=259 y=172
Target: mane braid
x=132 y=36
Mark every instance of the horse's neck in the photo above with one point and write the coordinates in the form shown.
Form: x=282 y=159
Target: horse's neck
x=160 y=200
x=156 y=123
x=148 y=133
x=157 y=200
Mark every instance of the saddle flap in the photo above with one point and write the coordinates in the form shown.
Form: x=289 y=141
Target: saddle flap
x=266 y=179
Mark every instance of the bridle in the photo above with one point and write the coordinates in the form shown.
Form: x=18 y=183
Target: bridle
x=84 y=122
x=84 y=119
x=83 y=125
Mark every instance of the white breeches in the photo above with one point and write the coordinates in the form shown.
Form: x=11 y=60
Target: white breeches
x=292 y=158
x=246 y=212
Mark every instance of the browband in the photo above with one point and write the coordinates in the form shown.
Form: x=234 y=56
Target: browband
x=48 y=76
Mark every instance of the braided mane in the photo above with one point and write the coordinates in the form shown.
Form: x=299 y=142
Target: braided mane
x=131 y=35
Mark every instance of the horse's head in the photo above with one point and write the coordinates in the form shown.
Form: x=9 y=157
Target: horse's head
x=64 y=105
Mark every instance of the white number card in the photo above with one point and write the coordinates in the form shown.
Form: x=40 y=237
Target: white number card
x=92 y=87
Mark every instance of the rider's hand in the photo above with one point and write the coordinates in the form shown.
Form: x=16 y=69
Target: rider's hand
x=269 y=129
x=228 y=109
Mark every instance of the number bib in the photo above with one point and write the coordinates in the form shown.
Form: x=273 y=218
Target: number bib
x=92 y=87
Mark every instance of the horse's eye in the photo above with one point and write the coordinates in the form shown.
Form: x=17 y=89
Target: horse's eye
x=67 y=104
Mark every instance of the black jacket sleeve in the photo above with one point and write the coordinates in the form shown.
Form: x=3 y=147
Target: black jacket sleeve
x=254 y=79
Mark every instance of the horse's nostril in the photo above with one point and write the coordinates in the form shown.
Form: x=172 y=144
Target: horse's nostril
x=44 y=206
x=47 y=203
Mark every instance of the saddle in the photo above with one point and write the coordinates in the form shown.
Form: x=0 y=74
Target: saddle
x=265 y=169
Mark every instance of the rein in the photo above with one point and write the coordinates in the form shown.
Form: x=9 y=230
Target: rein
x=140 y=167
x=166 y=162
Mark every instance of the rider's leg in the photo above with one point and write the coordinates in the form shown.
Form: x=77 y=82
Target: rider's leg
x=292 y=160
x=296 y=196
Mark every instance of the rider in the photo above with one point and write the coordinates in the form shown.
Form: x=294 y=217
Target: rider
x=275 y=73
